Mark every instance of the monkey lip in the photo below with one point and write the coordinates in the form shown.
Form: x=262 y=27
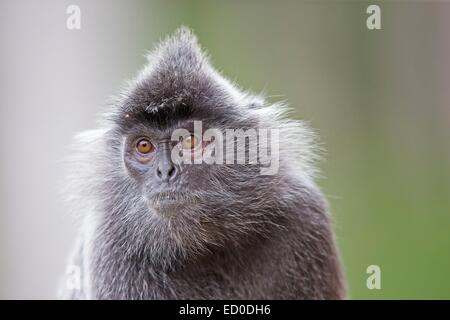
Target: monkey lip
x=171 y=198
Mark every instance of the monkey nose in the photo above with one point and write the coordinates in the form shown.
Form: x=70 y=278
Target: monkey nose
x=165 y=170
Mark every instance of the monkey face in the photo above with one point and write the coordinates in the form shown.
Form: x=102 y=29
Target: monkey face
x=166 y=185
x=170 y=185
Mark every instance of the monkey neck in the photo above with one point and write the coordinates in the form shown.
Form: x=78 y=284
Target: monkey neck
x=122 y=274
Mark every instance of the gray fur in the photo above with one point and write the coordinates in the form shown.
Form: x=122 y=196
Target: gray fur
x=240 y=236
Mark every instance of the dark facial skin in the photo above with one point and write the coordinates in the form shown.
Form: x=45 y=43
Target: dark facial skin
x=165 y=184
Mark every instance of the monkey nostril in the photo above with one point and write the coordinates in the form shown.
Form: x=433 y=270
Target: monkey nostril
x=171 y=172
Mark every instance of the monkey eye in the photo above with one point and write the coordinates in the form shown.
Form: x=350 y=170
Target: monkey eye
x=144 y=146
x=190 y=142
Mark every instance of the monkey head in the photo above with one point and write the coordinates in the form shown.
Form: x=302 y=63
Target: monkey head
x=151 y=201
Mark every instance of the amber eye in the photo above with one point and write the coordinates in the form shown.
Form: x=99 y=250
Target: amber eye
x=190 y=142
x=144 y=146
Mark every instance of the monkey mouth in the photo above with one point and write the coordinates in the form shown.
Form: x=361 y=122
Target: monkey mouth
x=171 y=199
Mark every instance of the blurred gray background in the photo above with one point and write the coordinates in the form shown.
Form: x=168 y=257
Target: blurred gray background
x=379 y=100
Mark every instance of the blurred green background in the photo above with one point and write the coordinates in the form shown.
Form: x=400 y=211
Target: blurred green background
x=379 y=100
